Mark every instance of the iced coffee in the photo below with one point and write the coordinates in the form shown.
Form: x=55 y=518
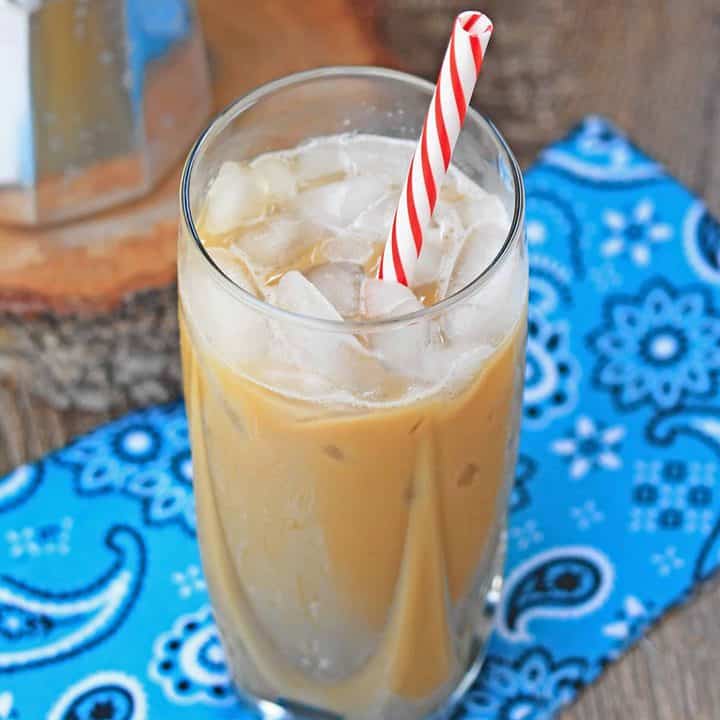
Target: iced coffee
x=353 y=439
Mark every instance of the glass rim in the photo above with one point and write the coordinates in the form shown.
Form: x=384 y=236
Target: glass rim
x=246 y=101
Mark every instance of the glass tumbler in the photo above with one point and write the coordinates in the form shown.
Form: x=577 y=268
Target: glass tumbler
x=350 y=547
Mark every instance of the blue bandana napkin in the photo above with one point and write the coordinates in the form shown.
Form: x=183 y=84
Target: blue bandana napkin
x=104 y=613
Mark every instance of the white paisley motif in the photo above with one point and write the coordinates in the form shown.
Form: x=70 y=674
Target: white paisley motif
x=633 y=616
x=6 y=705
x=552 y=373
x=600 y=153
x=18 y=485
x=101 y=608
x=634 y=233
x=698 y=263
x=576 y=580
x=14 y=482
x=47 y=626
x=101 y=682
x=189 y=664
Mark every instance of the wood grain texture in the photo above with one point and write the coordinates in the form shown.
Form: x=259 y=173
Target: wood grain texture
x=653 y=66
x=669 y=675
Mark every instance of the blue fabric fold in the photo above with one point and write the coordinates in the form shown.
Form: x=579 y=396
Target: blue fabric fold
x=614 y=514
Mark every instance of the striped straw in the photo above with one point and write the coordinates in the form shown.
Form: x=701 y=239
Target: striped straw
x=430 y=162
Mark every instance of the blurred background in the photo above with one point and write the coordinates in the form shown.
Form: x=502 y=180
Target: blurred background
x=109 y=94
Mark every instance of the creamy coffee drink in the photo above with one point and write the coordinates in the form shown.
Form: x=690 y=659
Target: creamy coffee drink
x=353 y=439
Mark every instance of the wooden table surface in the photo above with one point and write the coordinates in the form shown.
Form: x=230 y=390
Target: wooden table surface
x=653 y=66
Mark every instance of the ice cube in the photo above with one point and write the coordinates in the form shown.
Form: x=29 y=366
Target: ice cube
x=334 y=355
x=377 y=219
x=479 y=249
x=235 y=197
x=340 y=283
x=432 y=257
x=338 y=204
x=449 y=366
x=400 y=348
x=491 y=312
x=481 y=208
x=353 y=247
x=442 y=240
x=323 y=204
x=234 y=332
x=378 y=156
x=383 y=299
x=403 y=348
x=466 y=365
x=469 y=322
x=447 y=220
x=278 y=242
x=235 y=268
x=276 y=177
x=297 y=294
x=300 y=382
x=321 y=159
x=429 y=264
x=450 y=190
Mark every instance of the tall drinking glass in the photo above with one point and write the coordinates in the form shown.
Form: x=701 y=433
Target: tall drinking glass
x=351 y=539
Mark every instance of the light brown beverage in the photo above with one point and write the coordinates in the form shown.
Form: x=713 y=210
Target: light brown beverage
x=351 y=469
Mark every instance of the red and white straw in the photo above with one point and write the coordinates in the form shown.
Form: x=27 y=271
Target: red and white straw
x=428 y=167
